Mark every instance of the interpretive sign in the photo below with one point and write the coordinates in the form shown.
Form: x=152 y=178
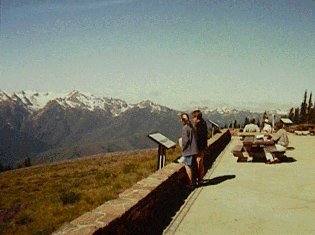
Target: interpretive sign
x=213 y=123
x=161 y=139
x=214 y=126
x=164 y=143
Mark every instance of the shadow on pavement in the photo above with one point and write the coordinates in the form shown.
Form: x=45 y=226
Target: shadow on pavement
x=285 y=159
x=290 y=148
x=217 y=180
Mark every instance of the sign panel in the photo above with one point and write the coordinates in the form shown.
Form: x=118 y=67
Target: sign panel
x=161 y=139
x=286 y=120
x=213 y=123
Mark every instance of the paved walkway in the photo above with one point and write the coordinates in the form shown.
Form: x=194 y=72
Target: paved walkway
x=253 y=198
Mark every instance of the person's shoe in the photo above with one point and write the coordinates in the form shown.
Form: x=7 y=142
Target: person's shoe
x=190 y=187
x=276 y=161
x=268 y=162
x=199 y=182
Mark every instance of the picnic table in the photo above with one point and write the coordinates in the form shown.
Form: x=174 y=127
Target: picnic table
x=255 y=147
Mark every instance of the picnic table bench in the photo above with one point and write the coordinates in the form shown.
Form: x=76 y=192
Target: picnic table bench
x=255 y=148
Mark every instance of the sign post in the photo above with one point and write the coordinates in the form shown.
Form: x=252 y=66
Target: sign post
x=214 y=125
x=164 y=144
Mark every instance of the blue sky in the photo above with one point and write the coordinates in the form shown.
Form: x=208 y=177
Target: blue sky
x=176 y=53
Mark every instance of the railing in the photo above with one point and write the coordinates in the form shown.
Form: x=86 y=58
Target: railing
x=146 y=207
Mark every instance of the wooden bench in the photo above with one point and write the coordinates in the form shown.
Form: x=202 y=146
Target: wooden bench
x=257 y=153
x=238 y=152
x=273 y=150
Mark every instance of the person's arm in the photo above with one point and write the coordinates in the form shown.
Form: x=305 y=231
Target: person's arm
x=204 y=138
x=276 y=136
x=185 y=138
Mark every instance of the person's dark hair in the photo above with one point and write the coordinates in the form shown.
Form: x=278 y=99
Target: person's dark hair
x=279 y=125
x=185 y=118
x=253 y=121
x=197 y=113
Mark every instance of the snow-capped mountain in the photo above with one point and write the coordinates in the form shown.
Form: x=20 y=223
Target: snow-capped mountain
x=3 y=96
x=86 y=101
x=222 y=110
x=152 y=106
x=35 y=101
x=49 y=126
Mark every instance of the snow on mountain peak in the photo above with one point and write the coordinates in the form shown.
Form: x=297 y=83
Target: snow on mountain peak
x=83 y=100
x=36 y=100
x=149 y=104
x=76 y=99
x=221 y=110
x=119 y=106
x=3 y=96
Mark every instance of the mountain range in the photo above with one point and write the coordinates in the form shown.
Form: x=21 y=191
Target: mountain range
x=48 y=127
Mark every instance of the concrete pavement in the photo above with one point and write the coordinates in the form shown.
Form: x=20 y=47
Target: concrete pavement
x=253 y=198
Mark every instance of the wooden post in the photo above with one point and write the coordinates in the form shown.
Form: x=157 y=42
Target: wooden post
x=161 y=157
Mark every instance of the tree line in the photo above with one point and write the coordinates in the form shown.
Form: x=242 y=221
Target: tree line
x=25 y=163
x=305 y=114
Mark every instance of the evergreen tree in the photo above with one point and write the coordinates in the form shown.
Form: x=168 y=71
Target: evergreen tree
x=312 y=118
x=246 y=121
x=235 y=124
x=27 y=162
x=291 y=114
x=303 y=112
x=296 y=119
x=309 y=109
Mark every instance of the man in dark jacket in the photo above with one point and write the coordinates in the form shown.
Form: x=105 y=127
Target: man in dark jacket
x=202 y=141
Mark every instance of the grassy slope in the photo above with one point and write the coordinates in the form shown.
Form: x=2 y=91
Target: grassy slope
x=38 y=200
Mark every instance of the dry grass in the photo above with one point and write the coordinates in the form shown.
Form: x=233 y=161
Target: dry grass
x=38 y=200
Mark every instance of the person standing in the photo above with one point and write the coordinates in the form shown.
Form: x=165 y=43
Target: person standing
x=189 y=146
x=202 y=142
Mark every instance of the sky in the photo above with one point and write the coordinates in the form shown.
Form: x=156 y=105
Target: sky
x=181 y=54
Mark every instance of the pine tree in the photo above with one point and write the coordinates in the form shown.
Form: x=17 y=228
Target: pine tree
x=296 y=119
x=291 y=114
x=246 y=121
x=303 y=113
x=313 y=114
x=27 y=162
x=309 y=109
x=235 y=124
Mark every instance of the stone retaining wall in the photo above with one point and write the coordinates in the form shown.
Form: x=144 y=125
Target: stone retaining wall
x=146 y=207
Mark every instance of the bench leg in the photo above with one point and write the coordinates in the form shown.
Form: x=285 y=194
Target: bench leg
x=242 y=159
